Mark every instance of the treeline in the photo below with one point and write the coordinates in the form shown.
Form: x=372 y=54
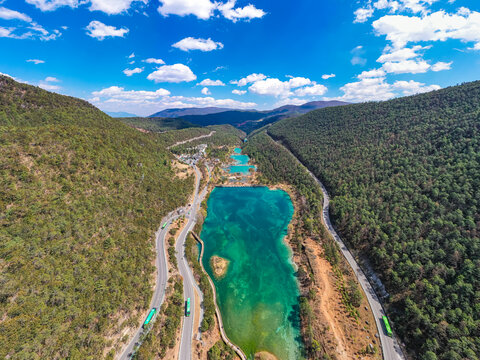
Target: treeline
x=81 y=196
x=157 y=124
x=405 y=180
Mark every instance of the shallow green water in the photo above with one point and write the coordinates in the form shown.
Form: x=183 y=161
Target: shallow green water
x=258 y=297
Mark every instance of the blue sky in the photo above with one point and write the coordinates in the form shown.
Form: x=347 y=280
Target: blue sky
x=147 y=55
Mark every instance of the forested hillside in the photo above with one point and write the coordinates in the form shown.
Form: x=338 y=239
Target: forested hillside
x=405 y=180
x=157 y=124
x=81 y=196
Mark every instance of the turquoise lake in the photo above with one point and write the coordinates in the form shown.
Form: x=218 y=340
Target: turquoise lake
x=241 y=163
x=258 y=296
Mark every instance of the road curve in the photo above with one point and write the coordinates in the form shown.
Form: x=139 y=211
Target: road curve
x=161 y=282
x=390 y=347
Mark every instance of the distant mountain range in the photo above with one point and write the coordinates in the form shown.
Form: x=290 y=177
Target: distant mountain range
x=120 y=114
x=247 y=120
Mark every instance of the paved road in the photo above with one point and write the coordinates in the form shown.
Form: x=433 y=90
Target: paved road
x=161 y=285
x=192 y=139
x=391 y=349
x=189 y=284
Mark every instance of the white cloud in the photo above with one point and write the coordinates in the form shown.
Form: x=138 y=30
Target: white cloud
x=191 y=43
x=100 y=31
x=248 y=12
x=283 y=89
x=47 y=84
x=296 y=82
x=289 y=101
x=112 y=7
x=36 y=61
x=249 y=79
x=438 y=26
x=131 y=56
x=239 y=92
x=7 y=14
x=377 y=89
x=401 y=54
x=406 y=67
x=32 y=31
x=440 y=66
x=205 y=91
x=154 y=61
x=327 y=76
x=144 y=103
x=172 y=73
x=315 y=90
x=271 y=86
x=371 y=74
x=130 y=72
x=412 y=87
x=50 y=5
x=209 y=82
x=363 y=14
x=203 y=9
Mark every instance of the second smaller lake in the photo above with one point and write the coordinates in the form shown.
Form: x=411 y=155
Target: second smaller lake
x=241 y=163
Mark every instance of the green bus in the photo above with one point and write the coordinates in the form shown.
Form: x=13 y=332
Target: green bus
x=387 y=326
x=187 y=307
x=149 y=317
x=164 y=226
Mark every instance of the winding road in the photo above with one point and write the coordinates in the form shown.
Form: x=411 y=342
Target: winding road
x=162 y=275
x=161 y=281
x=390 y=347
x=192 y=139
x=189 y=284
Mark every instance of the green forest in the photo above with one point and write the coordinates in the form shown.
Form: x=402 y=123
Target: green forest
x=81 y=196
x=404 y=176
x=157 y=124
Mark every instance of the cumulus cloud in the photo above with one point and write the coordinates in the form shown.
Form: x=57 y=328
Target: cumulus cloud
x=191 y=43
x=49 y=83
x=130 y=72
x=209 y=82
x=154 y=61
x=327 y=76
x=406 y=67
x=205 y=9
x=7 y=14
x=377 y=89
x=315 y=90
x=440 y=66
x=36 y=61
x=437 y=26
x=116 y=98
x=100 y=31
x=50 y=5
x=249 y=79
x=363 y=14
x=112 y=7
x=172 y=73
x=371 y=73
x=248 y=12
x=205 y=91
x=283 y=89
x=31 y=31
x=239 y=92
